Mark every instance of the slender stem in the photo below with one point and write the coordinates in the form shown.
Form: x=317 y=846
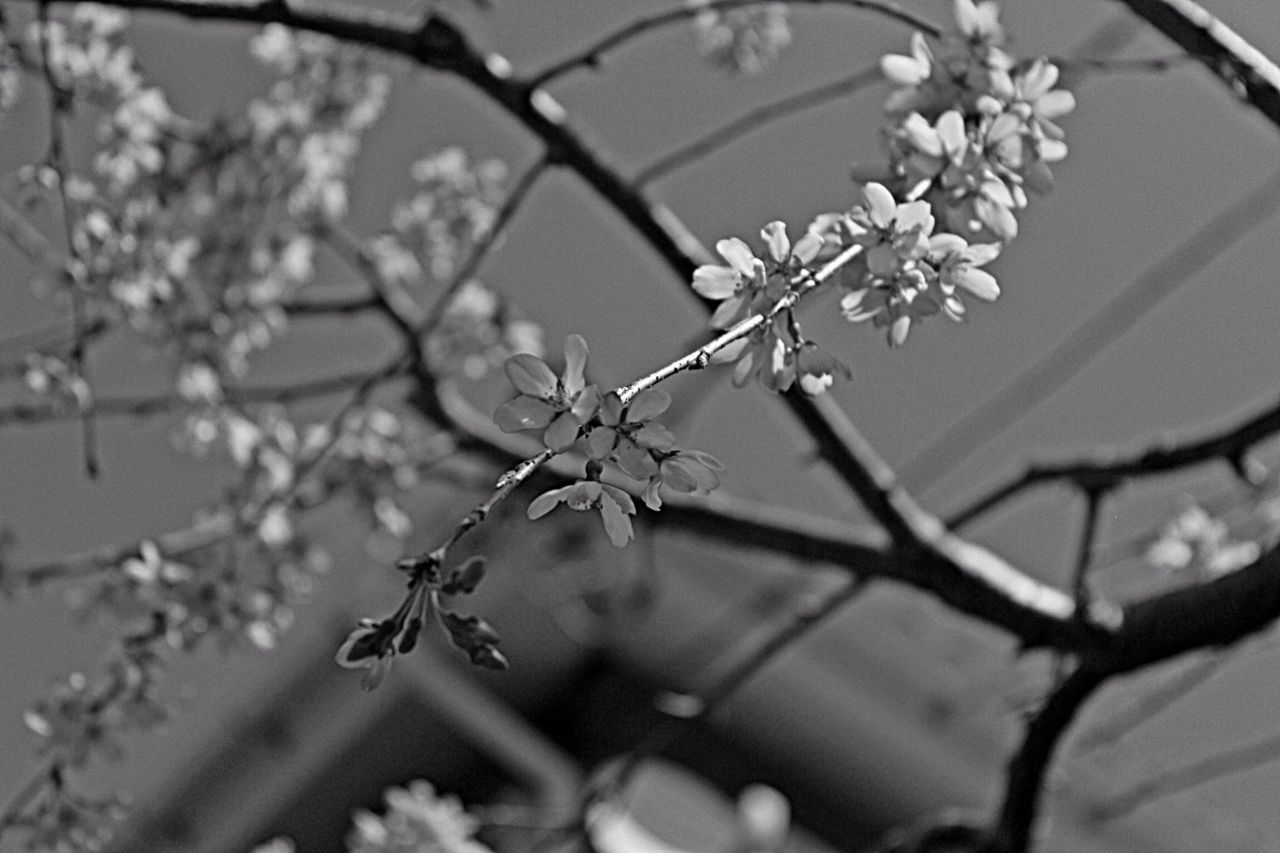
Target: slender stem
x=1084 y=553
x=684 y=710
x=1156 y=457
x=591 y=55
x=1149 y=705
x=73 y=272
x=145 y=406
x=1235 y=760
x=800 y=286
x=753 y=120
x=515 y=198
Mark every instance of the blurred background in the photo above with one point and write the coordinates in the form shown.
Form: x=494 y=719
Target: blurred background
x=893 y=709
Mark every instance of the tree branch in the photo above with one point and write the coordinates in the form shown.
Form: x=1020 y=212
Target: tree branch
x=1111 y=470
x=1242 y=67
x=1027 y=768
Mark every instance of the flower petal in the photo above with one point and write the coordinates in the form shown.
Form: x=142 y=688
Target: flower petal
x=881 y=207
x=903 y=70
x=575 y=364
x=562 y=433
x=775 y=237
x=531 y=375
x=807 y=247
x=1056 y=103
x=980 y=283
x=739 y=256
x=522 y=413
x=899 y=330
x=617 y=523
x=547 y=501
x=649 y=403
x=716 y=282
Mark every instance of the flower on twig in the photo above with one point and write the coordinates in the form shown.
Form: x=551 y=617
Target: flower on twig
x=560 y=404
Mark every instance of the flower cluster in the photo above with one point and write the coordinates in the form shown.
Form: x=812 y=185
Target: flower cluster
x=417 y=818
x=970 y=132
x=478 y=332
x=571 y=412
x=971 y=129
x=743 y=41
x=776 y=352
x=455 y=207
x=907 y=272
x=1198 y=541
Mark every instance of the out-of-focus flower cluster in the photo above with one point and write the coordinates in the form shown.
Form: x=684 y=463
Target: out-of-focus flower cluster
x=431 y=236
x=455 y=207
x=417 y=820
x=61 y=821
x=569 y=412
x=1205 y=545
x=10 y=68
x=196 y=235
x=743 y=41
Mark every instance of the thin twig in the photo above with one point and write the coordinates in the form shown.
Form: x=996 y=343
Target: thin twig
x=701 y=357
x=146 y=406
x=684 y=710
x=1161 y=456
x=1084 y=553
x=1149 y=705
x=57 y=163
x=753 y=120
x=515 y=198
x=591 y=55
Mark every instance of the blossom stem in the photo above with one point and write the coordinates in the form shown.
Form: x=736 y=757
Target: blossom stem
x=800 y=286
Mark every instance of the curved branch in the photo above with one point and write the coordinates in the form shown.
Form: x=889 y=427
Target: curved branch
x=1029 y=765
x=591 y=55
x=754 y=120
x=1112 y=470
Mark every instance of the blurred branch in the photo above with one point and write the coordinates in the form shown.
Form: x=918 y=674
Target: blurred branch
x=590 y=56
x=510 y=205
x=1197 y=773
x=1037 y=382
x=1084 y=552
x=1030 y=764
x=1149 y=705
x=1078 y=66
x=322 y=307
x=1111 y=470
x=1242 y=67
x=683 y=710
x=60 y=101
x=148 y=405
x=27 y=238
x=753 y=120
x=219 y=526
